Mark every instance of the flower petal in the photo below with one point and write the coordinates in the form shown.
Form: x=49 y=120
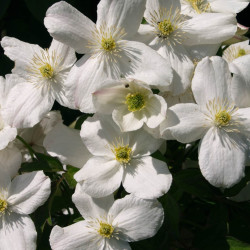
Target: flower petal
x=203 y=28
x=77 y=236
x=17 y=232
x=66 y=144
x=114 y=244
x=222 y=158
x=140 y=62
x=121 y=14
x=90 y=207
x=28 y=108
x=69 y=26
x=192 y=125
x=147 y=178
x=100 y=176
x=136 y=218
x=28 y=192
x=211 y=80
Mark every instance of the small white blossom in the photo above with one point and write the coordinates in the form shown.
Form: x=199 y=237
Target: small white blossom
x=108 y=224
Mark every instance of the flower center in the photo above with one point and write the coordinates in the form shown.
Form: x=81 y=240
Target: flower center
x=3 y=206
x=108 y=44
x=105 y=230
x=165 y=27
x=135 y=101
x=123 y=154
x=199 y=6
x=47 y=71
x=241 y=52
x=222 y=118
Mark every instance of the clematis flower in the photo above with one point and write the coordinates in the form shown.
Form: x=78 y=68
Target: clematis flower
x=109 y=50
x=196 y=7
x=121 y=158
x=131 y=103
x=7 y=132
x=222 y=126
x=66 y=144
x=169 y=33
x=42 y=80
x=34 y=136
x=19 y=198
x=108 y=224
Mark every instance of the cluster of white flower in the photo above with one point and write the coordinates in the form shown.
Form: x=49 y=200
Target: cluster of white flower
x=147 y=82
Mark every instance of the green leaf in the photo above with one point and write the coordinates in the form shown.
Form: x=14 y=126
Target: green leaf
x=69 y=176
x=81 y=119
x=236 y=244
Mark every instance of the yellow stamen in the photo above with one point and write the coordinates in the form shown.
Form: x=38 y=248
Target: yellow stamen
x=199 y=6
x=108 y=44
x=241 y=52
x=135 y=101
x=165 y=27
x=47 y=71
x=3 y=206
x=106 y=230
x=222 y=118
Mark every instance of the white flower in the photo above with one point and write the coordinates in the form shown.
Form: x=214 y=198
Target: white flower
x=236 y=50
x=121 y=157
x=109 y=51
x=7 y=133
x=66 y=144
x=169 y=32
x=19 y=198
x=222 y=127
x=108 y=224
x=196 y=7
x=131 y=103
x=43 y=74
x=34 y=136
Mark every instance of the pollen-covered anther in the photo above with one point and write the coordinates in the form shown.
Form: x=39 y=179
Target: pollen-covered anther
x=135 y=101
x=106 y=230
x=108 y=44
x=123 y=154
x=165 y=27
x=3 y=206
x=199 y=6
x=47 y=71
x=241 y=52
x=222 y=118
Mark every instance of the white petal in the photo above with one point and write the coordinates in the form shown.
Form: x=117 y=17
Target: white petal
x=147 y=178
x=137 y=218
x=143 y=63
x=114 y=244
x=192 y=125
x=242 y=117
x=156 y=111
x=91 y=207
x=10 y=160
x=127 y=120
x=78 y=236
x=211 y=80
x=231 y=6
x=181 y=63
x=100 y=176
x=85 y=78
x=66 y=144
x=17 y=232
x=121 y=14
x=28 y=192
x=222 y=158
x=203 y=28
x=67 y=25
x=153 y=6
x=7 y=134
x=19 y=52
x=66 y=53
x=137 y=141
x=26 y=105
x=98 y=132
x=241 y=81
